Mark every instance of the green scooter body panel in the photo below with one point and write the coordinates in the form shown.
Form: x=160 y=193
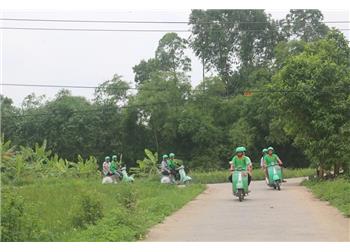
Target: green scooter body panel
x=240 y=181
x=183 y=177
x=275 y=173
x=126 y=177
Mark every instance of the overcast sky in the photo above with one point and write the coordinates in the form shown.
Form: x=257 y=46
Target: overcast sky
x=89 y=58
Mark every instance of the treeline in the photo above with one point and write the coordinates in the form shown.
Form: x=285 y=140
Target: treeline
x=284 y=83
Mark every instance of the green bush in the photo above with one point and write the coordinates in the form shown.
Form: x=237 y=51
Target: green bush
x=18 y=222
x=128 y=197
x=89 y=211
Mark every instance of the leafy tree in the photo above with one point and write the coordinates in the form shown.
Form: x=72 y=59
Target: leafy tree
x=171 y=53
x=113 y=91
x=145 y=68
x=228 y=40
x=316 y=111
x=169 y=57
x=303 y=24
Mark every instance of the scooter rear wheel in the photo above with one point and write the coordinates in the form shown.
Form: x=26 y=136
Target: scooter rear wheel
x=278 y=186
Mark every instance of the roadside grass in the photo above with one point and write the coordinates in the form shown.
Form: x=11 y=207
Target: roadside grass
x=52 y=207
x=335 y=191
x=221 y=176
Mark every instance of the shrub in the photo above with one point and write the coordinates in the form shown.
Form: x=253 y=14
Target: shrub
x=89 y=211
x=18 y=222
x=128 y=197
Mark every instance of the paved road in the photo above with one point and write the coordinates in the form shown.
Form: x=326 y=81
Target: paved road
x=291 y=214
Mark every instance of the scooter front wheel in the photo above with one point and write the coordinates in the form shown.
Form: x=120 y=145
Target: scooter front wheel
x=240 y=195
x=278 y=186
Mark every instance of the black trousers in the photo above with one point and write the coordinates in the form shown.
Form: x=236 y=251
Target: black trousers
x=249 y=178
x=165 y=173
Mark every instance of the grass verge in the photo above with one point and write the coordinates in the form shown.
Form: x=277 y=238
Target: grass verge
x=86 y=210
x=335 y=191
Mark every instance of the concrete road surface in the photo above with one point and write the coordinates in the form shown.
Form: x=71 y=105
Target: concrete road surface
x=292 y=214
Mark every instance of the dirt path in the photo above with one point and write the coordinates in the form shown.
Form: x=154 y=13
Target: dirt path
x=292 y=214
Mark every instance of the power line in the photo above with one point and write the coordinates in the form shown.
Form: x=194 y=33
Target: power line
x=91 y=30
x=155 y=89
x=141 y=21
x=124 y=30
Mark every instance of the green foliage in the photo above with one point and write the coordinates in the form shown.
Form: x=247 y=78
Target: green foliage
x=148 y=166
x=304 y=24
x=128 y=210
x=27 y=165
x=128 y=197
x=89 y=211
x=316 y=116
x=335 y=191
x=171 y=53
x=18 y=220
x=221 y=38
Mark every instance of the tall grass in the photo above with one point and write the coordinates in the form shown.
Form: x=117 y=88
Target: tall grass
x=127 y=210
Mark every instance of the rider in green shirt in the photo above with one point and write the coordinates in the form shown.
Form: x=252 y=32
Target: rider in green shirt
x=241 y=160
x=172 y=165
x=272 y=159
x=113 y=166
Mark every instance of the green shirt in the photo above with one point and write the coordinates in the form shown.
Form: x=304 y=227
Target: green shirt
x=113 y=166
x=241 y=162
x=171 y=164
x=271 y=160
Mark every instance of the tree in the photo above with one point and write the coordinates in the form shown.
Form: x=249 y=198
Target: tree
x=144 y=69
x=9 y=117
x=169 y=57
x=316 y=111
x=171 y=53
x=113 y=91
x=306 y=25
x=230 y=40
x=158 y=109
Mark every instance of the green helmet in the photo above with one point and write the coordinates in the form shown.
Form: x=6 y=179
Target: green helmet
x=114 y=157
x=107 y=158
x=264 y=150
x=165 y=156
x=270 y=148
x=171 y=155
x=240 y=149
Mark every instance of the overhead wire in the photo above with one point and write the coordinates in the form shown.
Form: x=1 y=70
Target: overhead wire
x=121 y=30
x=140 y=21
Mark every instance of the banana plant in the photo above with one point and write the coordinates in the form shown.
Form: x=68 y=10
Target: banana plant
x=148 y=166
x=7 y=151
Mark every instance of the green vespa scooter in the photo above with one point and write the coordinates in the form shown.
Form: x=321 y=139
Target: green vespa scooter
x=240 y=183
x=274 y=176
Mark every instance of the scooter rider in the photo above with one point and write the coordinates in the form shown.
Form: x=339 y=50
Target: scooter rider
x=106 y=167
x=271 y=159
x=164 y=166
x=114 y=166
x=241 y=160
x=172 y=165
